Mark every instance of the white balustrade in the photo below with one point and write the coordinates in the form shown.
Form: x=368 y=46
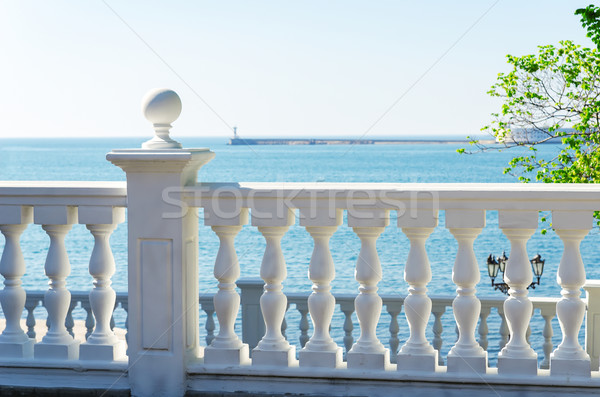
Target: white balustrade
x=164 y=355
x=273 y=348
x=517 y=357
x=466 y=355
x=368 y=352
x=102 y=344
x=321 y=350
x=569 y=358
x=226 y=347
x=417 y=354
x=57 y=343
x=14 y=343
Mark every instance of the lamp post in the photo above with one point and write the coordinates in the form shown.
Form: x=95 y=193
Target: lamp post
x=499 y=264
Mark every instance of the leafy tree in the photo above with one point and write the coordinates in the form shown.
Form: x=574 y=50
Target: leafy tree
x=554 y=94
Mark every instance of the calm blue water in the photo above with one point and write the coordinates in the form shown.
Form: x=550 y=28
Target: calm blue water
x=84 y=159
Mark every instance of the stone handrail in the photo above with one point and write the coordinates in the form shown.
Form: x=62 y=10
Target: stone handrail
x=253 y=324
x=56 y=206
x=320 y=206
x=35 y=299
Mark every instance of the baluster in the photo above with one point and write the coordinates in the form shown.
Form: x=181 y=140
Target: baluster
x=57 y=343
x=547 y=333
x=569 y=358
x=14 y=343
x=30 y=305
x=368 y=352
x=438 y=328
x=394 y=309
x=102 y=344
x=90 y=323
x=348 y=308
x=466 y=355
x=483 y=329
x=417 y=354
x=304 y=326
x=503 y=331
x=517 y=357
x=227 y=348
x=321 y=350
x=273 y=348
x=69 y=323
x=210 y=322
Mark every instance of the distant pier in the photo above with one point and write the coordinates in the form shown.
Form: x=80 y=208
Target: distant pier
x=309 y=141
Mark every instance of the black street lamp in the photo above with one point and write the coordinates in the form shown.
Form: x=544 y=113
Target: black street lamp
x=499 y=264
x=537 y=264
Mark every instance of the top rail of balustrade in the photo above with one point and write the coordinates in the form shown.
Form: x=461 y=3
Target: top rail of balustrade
x=491 y=196
x=73 y=193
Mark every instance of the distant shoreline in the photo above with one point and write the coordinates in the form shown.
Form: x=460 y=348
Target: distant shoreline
x=309 y=141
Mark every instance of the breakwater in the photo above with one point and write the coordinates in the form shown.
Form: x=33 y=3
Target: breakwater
x=341 y=141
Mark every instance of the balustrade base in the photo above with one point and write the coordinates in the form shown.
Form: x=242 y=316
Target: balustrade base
x=468 y=365
x=17 y=349
x=88 y=351
x=278 y=358
x=331 y=359
x=368 y=360
x=565 y=367
x=54 y=351
x=237 y=356
x=417 y=362
x=517 y=366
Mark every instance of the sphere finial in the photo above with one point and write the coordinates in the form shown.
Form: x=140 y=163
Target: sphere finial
x=161 y=107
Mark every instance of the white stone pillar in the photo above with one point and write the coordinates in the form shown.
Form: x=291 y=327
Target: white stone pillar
x=466 y=356
x=57 y=344
x=14 y=343
x=226 y=347
x=102 y=344
x=321 y=350
x=368 y=352
x=517 y=357
x=163 y=302
x=273 y=349
x=417 y=354
x=569 y=358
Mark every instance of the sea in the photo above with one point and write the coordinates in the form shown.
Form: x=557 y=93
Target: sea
x=84 y=159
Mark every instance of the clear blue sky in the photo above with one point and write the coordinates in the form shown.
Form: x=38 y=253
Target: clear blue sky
x=273 y=68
